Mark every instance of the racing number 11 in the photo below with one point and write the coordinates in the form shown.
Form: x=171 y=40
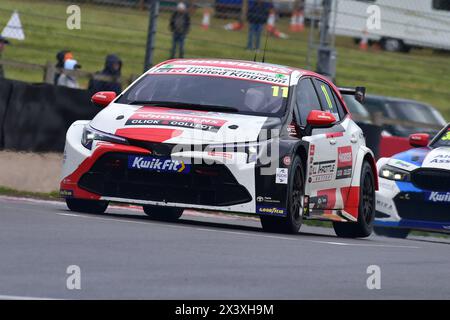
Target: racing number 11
x=276 y=91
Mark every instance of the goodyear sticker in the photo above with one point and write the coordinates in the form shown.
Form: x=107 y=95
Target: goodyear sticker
x=158 y=164
x=272 y=211
x=64 y=193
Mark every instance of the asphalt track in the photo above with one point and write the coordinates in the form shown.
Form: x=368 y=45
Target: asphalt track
x=125 y=255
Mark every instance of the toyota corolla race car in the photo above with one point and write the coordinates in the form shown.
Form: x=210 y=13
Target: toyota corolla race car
x=230 y=136
x=415 y=187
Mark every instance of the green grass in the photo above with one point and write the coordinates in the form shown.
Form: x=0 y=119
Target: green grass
x=54 y=195
x=421 y=75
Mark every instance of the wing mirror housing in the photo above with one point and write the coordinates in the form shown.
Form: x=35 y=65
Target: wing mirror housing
x=418 y=140
x=103 y=98
x=319 y=119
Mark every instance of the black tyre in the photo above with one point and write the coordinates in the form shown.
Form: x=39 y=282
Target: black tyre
x=366 y=211
x=87 y=206
x=293 y=221
x=391 y=232
x=163 y=213
x=394 y=45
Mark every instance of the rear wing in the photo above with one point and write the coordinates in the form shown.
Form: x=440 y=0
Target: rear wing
x=358 y=92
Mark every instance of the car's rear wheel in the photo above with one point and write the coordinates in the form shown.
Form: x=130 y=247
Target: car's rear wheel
x=366 y=210
x=398 y=233
x=87 y=206
x=163 y=213
x=293 y=220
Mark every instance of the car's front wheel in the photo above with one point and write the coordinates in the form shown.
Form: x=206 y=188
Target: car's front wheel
x=163 y=213
x=293 y=220
x=391 y=232
x=366 y=210
x=87 y=206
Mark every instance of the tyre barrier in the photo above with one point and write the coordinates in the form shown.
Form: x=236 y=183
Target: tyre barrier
x=35 y=117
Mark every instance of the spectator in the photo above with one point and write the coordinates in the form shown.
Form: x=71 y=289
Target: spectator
x=61 y=57
x=257 y=15
x=113 y=67
x=68 y=79
x=3 y=43
x=180 y=23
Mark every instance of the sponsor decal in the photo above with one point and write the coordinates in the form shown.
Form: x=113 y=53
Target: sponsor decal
x=292 y=131
x=319 y=202
x=383 y=205
x=142 y=118
x=441 y=158
x=241 y=74
x=334 y=135
x=231 y=63
x=401 y=163
x=219 y=154
x=345 y=162
x=438 y=196
x=66 y=193
x=322 y=171
x=158 y=164
x=266 y=199
x=287 y=161
x=281 y=176
x=269 y=210
x=168 y=68
x=312 y=150
x=446 y=136
x=306 y=205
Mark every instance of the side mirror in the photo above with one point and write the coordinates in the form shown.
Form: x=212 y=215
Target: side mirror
x=318 y=119
x=418 y=140
x=103 y=98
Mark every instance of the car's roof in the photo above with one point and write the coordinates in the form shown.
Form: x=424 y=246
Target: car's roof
x=394 y=99
x=243 y=64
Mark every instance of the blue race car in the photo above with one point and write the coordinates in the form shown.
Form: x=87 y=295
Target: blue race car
x=414 y=187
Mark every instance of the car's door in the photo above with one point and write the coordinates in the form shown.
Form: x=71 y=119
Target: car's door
x=321 y=167
x=345 y=135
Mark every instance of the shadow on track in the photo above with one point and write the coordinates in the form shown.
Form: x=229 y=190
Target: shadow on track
x=225 y=225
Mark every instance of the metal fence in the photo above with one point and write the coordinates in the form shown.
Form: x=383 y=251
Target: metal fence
x=220 y=28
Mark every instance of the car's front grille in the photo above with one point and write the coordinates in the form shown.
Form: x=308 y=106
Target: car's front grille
x=212 y=185
x=431 y=179
x=413 y=206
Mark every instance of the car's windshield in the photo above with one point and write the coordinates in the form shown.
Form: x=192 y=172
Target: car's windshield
x=244 y=96
x=443 y=140
x=410 y=111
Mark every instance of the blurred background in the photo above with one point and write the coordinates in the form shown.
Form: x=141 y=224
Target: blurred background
x=121 y=27
x=53 y=52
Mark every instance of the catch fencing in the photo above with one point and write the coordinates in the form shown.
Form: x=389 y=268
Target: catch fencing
x=218 y=29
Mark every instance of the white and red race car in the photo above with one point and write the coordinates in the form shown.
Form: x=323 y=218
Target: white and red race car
x=225 y=135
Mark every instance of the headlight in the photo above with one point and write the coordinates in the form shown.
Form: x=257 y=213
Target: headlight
x=392 y=173
x=90 y=134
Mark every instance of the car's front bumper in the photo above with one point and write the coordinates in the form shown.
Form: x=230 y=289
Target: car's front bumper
x=228 y=184
x=401 y=204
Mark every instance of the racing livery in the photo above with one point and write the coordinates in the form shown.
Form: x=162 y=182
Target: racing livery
x=225 y=135
x=415 y=187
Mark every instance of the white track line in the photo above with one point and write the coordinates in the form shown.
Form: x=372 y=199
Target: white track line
x=246 y=234
x=7 y=297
